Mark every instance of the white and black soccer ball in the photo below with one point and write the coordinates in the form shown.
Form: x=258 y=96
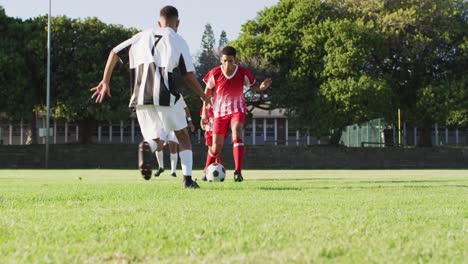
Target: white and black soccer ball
x=215 y=172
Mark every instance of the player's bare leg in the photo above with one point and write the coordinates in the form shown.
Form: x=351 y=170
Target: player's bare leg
x=237 y=129
x=186 y=157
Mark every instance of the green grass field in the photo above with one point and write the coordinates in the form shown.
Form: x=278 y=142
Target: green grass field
x=114 y=216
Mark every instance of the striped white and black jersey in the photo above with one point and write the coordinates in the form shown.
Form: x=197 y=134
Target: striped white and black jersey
x=153 y=55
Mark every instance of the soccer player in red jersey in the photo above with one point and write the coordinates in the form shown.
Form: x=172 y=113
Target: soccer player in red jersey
x=225 y=83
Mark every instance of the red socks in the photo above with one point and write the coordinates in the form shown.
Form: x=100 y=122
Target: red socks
x=210 y=158
x=238 y=152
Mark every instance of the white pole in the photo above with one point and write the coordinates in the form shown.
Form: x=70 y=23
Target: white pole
x=55 y=132
x=297 y=137
x=77 y=135
x=276 y=131
x=133 y=130
x=436 y=131
x=21 y=132
x=415 y=136
x=308 y=138
x=287 y=132
x=253 y=131
x=66 y=132
x=264 y=131
x=48 y=87
x=456 y=136
x=110 y=132
x=10 y=138
x=99 y=134
x=121 y=131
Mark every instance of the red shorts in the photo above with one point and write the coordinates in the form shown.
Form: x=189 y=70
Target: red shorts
x=223 y=123
x=208 y=138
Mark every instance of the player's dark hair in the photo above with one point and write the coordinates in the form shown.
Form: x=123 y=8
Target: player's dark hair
x=228 y=51
x=169 y=12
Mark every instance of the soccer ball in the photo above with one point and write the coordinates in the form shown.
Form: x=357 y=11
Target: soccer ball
x=215 y=172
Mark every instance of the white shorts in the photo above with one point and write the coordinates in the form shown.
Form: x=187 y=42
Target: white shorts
x=173 y=117
x=154 y=117
x=149 y=121
x=167 y=135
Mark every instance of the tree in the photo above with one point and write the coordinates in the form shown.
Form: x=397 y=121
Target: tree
x=16 y=80
x=223 y=40
x=78 y=64
x=324 y=80
x=207 y=58
x=79 y=51
x=341 y=62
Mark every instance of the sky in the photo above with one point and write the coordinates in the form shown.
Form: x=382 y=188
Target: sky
x=142 y=14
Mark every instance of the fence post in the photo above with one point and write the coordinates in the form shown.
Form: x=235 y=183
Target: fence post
x=21 y=132
x=254 y=131
x=99 y=134
x=297 y=137
x=66 y=132
x=55 y=131
x=276 y=133
x=121 y=131
x=110 y=132
x=436 y=131
x=133 y=130
x=10 y=137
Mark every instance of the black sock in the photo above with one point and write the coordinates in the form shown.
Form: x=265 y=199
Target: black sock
x=188 y=178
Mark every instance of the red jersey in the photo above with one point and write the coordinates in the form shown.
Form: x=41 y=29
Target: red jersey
x=228 y=90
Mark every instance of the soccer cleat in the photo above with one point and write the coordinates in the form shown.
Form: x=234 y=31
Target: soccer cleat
x=191 y=184
x=144 y=159
x=204 y=178
x=173 y=174
x=160 y=170
x=238 y=176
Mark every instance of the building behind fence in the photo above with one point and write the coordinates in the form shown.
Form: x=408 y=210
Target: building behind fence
x=264 y=128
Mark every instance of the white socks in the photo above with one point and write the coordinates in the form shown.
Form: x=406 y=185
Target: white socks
x=174 y=162
x=186 y=161
x=160 y=158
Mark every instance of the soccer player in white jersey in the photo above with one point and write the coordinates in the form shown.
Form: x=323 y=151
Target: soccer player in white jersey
x=226 y=82
x=169 y=137
x=153 y=54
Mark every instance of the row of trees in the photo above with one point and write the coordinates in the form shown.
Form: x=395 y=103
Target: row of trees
x=340 y=62
x=334 y=63
x=79 y=51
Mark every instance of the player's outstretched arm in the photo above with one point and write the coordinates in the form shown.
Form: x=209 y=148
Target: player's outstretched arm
x=263 y=86
x=189 y=77
x=103 y=89
x=189 y=119
x=204 y=115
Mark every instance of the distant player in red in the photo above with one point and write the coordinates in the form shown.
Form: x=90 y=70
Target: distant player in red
x=225 y=83
x=208 y=128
